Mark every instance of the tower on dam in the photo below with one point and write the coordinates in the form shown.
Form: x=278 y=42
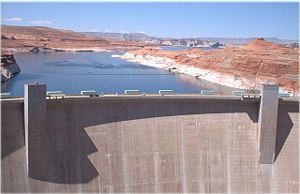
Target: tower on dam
x=268 y=123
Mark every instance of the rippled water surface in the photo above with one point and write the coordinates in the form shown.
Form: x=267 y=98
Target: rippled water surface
x=72 y=72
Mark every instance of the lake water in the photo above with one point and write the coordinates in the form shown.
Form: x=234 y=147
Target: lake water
x=72 y=72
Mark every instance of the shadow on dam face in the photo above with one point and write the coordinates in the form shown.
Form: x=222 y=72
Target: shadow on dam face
x=12 y=128
x=68 y=144
x=67 y=161
x=284 y=125
x=133 y=110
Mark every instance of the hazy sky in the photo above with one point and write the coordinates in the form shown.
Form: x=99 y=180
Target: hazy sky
x=180 y=20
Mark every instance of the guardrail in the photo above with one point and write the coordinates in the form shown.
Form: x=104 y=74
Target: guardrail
x=164 y=92
x=132 y=92
x=284 y=94
x=5 y=95
x=207 y=92
x=55 y=95
x=238 y=93
x=91 y=93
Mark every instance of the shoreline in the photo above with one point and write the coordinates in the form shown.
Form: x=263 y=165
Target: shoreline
x=205 y=74
x=58 y=49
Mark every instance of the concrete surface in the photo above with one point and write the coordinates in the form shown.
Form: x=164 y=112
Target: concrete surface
x=152 y=144
x=35 y=125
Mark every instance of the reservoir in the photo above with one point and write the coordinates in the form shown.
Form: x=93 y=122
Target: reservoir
x=71 y=72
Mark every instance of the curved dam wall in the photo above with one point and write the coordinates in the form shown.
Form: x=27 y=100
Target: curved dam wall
x=147 y=144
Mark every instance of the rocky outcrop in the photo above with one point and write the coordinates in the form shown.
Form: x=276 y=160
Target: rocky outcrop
x=9 y=66
x=294 y=45
x=35 y=50
x=216 y=45
x=4 y=37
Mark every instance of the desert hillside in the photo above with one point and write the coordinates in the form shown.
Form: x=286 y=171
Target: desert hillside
x=28 y=37
x=259 y=62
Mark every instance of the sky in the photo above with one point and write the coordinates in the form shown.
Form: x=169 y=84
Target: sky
x=177 y=20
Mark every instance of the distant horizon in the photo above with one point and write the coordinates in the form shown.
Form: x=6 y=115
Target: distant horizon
x=171 y=20
x=157 y=36
x=186 y=37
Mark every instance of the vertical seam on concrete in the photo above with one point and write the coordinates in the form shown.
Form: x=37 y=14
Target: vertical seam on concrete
x=125 y=164
x=156 y=158
x=228 y=161
x=109 y=162
x=182 y=166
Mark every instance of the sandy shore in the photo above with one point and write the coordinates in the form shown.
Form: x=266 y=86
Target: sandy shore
x=205 y=74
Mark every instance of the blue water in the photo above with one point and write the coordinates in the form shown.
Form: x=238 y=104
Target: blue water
x=72 y=72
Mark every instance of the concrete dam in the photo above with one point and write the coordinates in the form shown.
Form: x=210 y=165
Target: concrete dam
x=151 y=143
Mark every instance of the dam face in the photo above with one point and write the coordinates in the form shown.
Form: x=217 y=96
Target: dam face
x=148 y=144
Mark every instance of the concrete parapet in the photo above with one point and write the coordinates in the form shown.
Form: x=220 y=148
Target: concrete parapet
x=35 y=129
x=268 y=124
